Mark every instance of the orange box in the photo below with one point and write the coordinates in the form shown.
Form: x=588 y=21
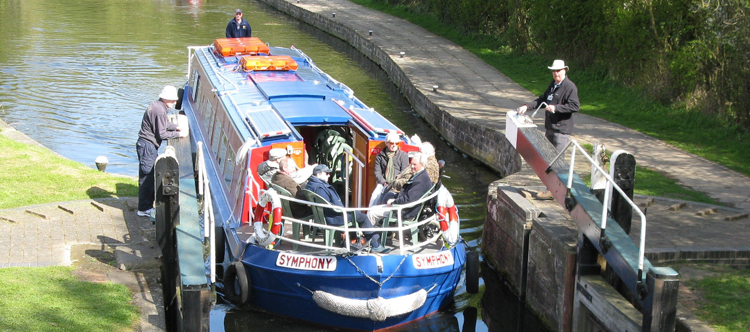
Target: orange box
x=238 y=46
x=277 y=62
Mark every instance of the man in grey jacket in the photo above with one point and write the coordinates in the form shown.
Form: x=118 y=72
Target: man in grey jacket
x=155 y=128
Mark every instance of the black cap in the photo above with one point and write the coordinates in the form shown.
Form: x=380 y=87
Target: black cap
x=321 y=168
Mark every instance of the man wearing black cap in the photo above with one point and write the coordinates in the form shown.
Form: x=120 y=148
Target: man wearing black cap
x=318 y=184
x=238 y=26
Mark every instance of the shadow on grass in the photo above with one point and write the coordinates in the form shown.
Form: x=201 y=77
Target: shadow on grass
x=121 y=190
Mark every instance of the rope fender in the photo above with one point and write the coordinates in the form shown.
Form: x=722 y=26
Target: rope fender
x=377 y=309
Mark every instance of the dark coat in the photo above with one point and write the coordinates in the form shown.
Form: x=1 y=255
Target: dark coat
x=565 y=99
x=240 y=30
x=400 y=163
x=412 y=191
x=327 y=191
x=285 y=181
x=155 y=126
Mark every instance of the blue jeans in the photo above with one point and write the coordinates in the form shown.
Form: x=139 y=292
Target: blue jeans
x=147 y=154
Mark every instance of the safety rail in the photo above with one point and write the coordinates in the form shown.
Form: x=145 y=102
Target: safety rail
x=209 y=223
x=359 y=175
x=345 y=229
x=610 y=184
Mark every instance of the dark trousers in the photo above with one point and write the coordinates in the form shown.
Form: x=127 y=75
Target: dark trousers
x=147 y=154
x=373 y=237
x=559 y=140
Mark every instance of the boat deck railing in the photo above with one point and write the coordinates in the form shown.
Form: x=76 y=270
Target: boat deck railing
x=345 y=229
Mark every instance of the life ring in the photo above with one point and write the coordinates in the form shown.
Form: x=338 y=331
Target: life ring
x=237 y=284
x=448 y=216
x=269 y=200
x=472 y=272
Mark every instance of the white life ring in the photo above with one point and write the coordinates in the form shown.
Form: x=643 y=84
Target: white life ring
x=447 y=216
x=262 y=236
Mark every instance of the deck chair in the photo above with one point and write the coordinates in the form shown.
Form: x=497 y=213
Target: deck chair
x=320 y=218
x=392 y=217
x=286 y=209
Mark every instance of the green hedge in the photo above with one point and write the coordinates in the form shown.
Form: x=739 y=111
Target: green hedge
x=692 y=53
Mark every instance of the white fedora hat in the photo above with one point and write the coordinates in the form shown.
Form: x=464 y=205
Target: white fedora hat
x=557 y=65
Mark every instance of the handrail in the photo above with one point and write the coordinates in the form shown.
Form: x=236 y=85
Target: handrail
x=610 y=184
x=345 y=228
x=359 y=176
x=209 y=223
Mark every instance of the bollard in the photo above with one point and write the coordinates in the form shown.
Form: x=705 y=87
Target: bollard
x=434 y=88
x=402 y=54
x=334 y=14
x=101 y=163
x=370 y=32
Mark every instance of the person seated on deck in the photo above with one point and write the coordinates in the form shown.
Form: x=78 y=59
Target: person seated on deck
x=412 y=191
x=283 y=178
x=318 y=184
x=432 y=168
x=268 y=168
x=389 y=163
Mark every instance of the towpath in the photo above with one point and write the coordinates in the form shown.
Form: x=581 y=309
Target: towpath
x=470 y=89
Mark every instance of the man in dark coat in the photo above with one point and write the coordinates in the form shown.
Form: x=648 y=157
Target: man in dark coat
x=389 y=163
x=561 y=98
x=238 y=27
x=318 y=184
x=155 y=127
x=412 y=191
x=283 y=179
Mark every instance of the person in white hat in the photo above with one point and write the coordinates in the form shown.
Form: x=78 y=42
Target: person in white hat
x=268 y=168
x=238 y=27
x=561 y=98
x=155 y=127
x=389 y=163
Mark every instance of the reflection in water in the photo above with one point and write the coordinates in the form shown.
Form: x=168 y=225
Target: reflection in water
x=507 y=312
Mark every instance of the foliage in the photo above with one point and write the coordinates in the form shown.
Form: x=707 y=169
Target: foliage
x=684 y=123
x=51 y=298
x=34 y=175
x=690 y=52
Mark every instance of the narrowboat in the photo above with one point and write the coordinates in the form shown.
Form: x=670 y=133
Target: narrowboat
x=243 y=98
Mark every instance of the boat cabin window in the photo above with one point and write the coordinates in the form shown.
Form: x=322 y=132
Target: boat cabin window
x=222 y=151
x=215 y=139
x=228 y=166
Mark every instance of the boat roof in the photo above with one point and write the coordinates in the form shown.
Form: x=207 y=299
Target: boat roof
x=271 y=100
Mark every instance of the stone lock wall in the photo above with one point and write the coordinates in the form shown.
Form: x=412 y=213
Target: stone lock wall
x=534 y=249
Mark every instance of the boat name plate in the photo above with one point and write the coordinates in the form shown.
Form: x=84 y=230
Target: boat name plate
x=307 y=262
x=432 y=261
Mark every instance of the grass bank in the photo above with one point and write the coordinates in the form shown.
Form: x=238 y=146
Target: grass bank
x=52 y=299
x=707 y=136
x=34 y=175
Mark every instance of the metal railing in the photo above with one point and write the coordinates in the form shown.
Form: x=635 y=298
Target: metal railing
x=345 y=229
x=607 y=192
x=209 y=223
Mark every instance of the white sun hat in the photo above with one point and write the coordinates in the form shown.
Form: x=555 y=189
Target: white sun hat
x=557 y=65
x=169 y=93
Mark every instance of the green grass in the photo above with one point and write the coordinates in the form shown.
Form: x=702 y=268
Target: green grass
x=52 y=299
x=726 y=299
x=708 y=136
x=33 y=175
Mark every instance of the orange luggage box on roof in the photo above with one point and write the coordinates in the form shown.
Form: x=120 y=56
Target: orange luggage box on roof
x=276 y=62
x=237 y=46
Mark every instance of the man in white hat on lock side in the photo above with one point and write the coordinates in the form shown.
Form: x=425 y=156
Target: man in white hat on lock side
x=561 y=98
x=155 y=127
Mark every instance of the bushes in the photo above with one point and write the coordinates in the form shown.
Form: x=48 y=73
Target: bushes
x=693 y=52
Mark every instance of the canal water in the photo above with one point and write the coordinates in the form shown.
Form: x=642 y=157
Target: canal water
x=77 y=75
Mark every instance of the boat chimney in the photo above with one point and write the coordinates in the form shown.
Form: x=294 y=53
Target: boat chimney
x=101 y=163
